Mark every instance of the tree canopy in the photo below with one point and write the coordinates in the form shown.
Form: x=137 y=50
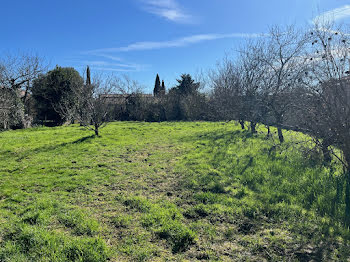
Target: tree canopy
x=186 y=85
x=54 y=89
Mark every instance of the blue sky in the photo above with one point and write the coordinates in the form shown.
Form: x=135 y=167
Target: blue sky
x=141 y=38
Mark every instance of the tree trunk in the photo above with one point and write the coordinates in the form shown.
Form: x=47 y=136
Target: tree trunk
x=347 y=200
x=241 y=122
x=96 y=131
x=339 y=193
x=252 y=127
x=280 y=134
x=279 y=122
x=268 y=131
x=24 y=98
x=325 y=151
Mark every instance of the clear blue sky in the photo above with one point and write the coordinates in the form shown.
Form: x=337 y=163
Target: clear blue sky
x=141 y=38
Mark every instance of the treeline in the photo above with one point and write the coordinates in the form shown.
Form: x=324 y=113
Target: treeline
x=182 y=102
x=288 y=78
x=294 y=79
x=62 y=96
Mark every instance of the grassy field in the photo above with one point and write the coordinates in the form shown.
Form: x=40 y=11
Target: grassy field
x=166 y=192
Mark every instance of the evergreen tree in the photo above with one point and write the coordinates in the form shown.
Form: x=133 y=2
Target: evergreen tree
x=186 y=85
x=56 y=92
x=156 y=89
x=162 y=89
x=88 y=76
x=185 y=102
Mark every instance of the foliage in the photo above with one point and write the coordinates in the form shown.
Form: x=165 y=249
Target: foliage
x=186 y=85
x=54 y=92
x=184 y=102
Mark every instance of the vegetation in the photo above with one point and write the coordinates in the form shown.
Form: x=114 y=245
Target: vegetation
x=54 y=92
x=17 y=73
x=156 y=89
x=182 y=191
x=168 y=191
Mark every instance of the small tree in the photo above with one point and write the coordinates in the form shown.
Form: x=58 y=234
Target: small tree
x=11 y=109
x=94 y=102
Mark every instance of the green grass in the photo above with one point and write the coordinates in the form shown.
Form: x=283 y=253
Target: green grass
x=167 y=192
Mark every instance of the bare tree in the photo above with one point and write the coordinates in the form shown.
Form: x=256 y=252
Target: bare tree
x=11 y=109
x=131 y=103
x=284 y=64
x=17 y=73
x=93 y=102
x=238 y=87
x=252 y=71
x=326 y=103
x=328 y=87
x=226 y=93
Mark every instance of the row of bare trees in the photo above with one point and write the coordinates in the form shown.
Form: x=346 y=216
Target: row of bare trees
x=292 y=79
x=261 y=83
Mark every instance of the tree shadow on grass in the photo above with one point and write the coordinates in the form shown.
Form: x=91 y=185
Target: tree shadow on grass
x=48 y=148
x=214 y=146
x=83 y=139
x=218 y=143
x=220 y=137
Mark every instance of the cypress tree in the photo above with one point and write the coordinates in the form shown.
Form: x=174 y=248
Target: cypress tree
x=162 y=89
x=156 y=89
x=88 y=76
